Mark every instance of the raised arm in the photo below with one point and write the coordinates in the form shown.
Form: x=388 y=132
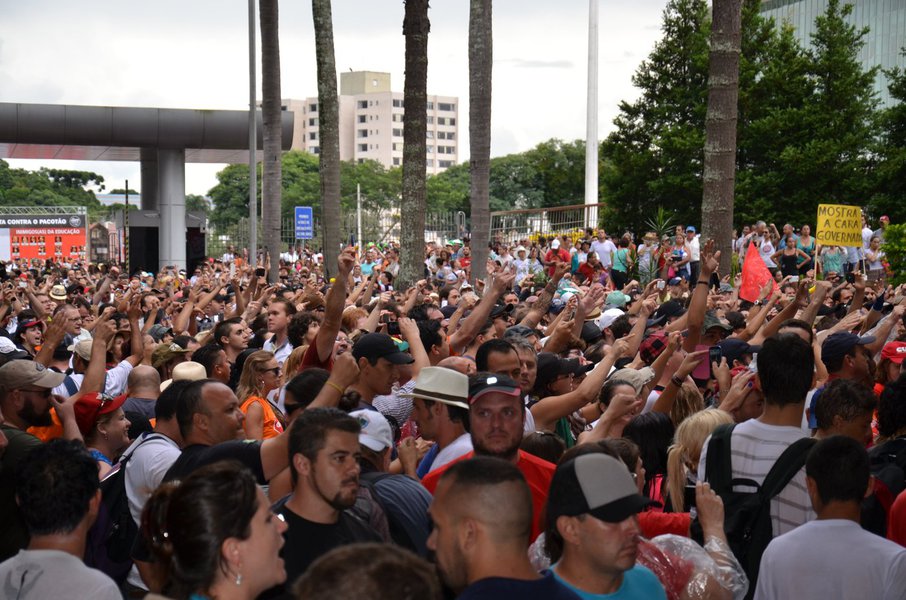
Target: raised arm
x=699 y=303
x=334 y=303
x=471 y=326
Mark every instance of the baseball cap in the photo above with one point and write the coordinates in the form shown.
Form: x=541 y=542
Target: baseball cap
x=82 y=349
x=734 y=349
x=711 y=321
x=652 y=346
x=895 y=351
x=158 y=331
x=165 y=353
x=597 y=485
x=838 y=345
x=690 y=228
x=590 y=333
x=608 y=317
x=500 y=310
x=484 y=383
x=550 y=366
x=20 y=373
x=667 y=310
x=637 y=378
x=618 y=299
x=380 y=345
x=519 y=331
x=91 y=407
x=439 y=384
x=376 y=433
x=555 y=244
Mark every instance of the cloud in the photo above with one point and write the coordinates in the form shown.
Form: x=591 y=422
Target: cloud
x=521 y=63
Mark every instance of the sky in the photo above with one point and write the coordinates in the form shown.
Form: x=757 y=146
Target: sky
x=194 y=54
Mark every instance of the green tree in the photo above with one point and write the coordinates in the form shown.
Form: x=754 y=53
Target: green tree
x=197 y=203
x=655 y=153
x=889 y=197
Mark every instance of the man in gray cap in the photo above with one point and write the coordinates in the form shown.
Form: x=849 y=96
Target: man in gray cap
x=593 y=529
x=25 y=401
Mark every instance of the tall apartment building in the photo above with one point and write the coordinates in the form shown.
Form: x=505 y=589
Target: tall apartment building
x=371 y=123
x=886 y=20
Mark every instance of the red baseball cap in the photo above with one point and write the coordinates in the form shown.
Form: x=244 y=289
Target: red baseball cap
x=91 y=407
x=895 y=351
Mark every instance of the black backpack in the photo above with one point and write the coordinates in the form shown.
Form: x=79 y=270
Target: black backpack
x=111 y=537
x=747 y=520
x=888 y=467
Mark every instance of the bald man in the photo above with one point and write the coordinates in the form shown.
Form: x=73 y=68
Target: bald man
x=143 y=389
x=458 y=363
x=482 y=515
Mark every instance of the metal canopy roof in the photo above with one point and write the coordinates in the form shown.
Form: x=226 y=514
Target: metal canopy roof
x=50 y=131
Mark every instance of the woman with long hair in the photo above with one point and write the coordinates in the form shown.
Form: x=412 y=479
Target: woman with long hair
x=215 y=535
x=684 y=453
x=260 y=376
x=29 y=333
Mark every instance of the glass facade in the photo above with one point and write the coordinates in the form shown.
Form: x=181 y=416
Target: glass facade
x=886 y=20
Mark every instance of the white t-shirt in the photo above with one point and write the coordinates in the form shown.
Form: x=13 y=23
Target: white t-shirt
x=754 y=448
x=832 y=559
x=603 y=250
x=458 y=447
x=767 y=250
x=695 y=249
x=281 y=353
x=43 y=574
x=114 y=386
x=148 y=464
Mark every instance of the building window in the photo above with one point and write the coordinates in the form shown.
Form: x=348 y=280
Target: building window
x=429 y=135
x=441 y=120
x=444 y=164
x=313 y=135
x=430 y=106
x=429 y=149
x=396 y=161
x=312 y=122
x=397 y=147
x=452 y=121
x=397 y=132
x=312 y=108
x=396 y=118
x=362 y=104
x=363 y=147
x=362 y=133
x=361 y=161
x=361 y=118
x=446 y=106
x=430 y=120
x=315 y=150
x=397 y=103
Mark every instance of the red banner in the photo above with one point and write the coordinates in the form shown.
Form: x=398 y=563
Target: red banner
x=755 y=275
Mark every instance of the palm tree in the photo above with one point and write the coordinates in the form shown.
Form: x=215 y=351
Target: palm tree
x=480 y=61
x=720 y=127
x=328 y=132
x=415 y=100
x=271 y=117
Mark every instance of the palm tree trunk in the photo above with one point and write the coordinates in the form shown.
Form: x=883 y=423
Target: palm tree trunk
x=480 y=61
x=416 y=26
x=271 y=180
x=720 y=127
x=328 y=132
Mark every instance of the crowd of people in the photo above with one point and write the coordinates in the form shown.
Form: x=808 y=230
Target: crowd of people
x=601 y=417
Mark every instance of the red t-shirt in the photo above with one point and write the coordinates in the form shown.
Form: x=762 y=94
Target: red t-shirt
x=654 y=523
x=560 y=254
x=538 y=474
x=311 y=359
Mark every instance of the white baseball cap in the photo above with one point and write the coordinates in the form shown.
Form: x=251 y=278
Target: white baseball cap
x=376 y=433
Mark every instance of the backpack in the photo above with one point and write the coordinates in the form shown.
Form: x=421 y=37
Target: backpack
x=110 y=539
x=888 y=468
x=748 y=514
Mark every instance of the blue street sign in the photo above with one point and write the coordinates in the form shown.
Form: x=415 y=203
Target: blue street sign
x=305 y=228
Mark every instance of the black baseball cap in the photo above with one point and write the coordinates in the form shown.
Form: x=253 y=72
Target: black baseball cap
x=485 y=383
x=838 y=345
x=380 y=345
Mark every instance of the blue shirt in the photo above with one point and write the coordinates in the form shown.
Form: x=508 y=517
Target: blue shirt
x=638 y=584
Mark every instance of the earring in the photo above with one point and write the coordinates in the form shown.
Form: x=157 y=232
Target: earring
x=105 y=435
x=238 y=578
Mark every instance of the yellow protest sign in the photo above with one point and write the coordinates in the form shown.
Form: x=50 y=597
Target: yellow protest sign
x=839 y=225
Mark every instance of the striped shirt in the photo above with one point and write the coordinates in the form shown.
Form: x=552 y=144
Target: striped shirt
x=754 y=449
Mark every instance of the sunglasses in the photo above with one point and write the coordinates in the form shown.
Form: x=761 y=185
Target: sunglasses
x=274 y=370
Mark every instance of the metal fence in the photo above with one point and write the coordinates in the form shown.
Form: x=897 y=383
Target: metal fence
x=378 y=226
x=512 y=226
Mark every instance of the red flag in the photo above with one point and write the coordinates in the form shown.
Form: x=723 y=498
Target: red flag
x=755 y=275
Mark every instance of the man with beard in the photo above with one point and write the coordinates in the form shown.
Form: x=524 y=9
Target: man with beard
x=496 y=421
x=25 y=401
x=324 y=449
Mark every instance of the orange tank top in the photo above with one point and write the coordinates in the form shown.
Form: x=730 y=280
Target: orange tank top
x=272 y=423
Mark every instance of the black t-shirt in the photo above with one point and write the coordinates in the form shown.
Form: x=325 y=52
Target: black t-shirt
x=492 y=588
x=197 y=455
x=306 y=541
x=13 y=534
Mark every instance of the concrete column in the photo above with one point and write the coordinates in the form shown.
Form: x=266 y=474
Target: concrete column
x=171 y=185
x=149 y=179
